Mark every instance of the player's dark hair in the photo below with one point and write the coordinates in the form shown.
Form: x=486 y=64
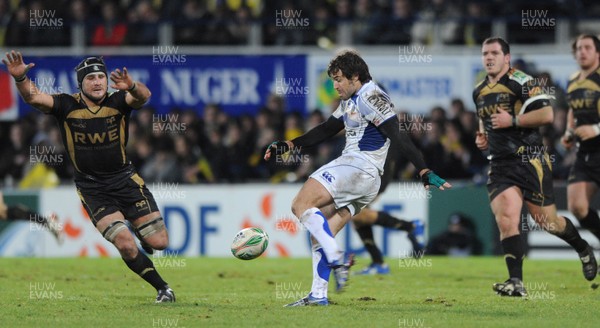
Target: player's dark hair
x=585 y=36
x=350 y=64
x=503 y=44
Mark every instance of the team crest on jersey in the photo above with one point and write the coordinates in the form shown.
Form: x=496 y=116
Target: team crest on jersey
x=503 y=98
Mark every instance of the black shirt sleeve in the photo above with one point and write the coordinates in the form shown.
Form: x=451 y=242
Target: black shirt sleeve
x=320 y=132
x=402 y=142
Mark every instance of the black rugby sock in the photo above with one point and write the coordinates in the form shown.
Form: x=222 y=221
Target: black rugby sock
x=388 y=221
x=144 y=267
x=591 y=222
x=366 y=235
x=572 y=237
x=514 y=251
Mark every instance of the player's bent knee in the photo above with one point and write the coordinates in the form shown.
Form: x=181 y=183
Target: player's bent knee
x=578 y=209
x=126 y=245
x=159 y=240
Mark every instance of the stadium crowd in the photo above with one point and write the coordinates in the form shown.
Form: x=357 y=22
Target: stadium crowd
x=206 y=145
x=230 y=22
x=214 y=147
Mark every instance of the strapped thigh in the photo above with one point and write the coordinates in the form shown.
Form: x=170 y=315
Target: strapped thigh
x=152 y=227
x=113 y=229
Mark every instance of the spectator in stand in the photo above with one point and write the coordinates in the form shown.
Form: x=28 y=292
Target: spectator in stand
x=366 y=22
x=240 y=26
x=15 y=155
x=162 y=166
x=143 y=24
x=17 y=32
x=476 y=26
x=396 y=28
x=111 y=31
x=437 y=12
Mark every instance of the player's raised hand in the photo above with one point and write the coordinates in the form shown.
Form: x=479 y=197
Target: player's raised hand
x=502 y=119
x=277 y=147
x=481 y=141
x=15 y=65
x=121 y=79
x=429 y=178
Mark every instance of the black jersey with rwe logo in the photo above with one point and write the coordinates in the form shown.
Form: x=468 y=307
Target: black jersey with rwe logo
x=584 y=99
x=516 y=93
x=95 y=137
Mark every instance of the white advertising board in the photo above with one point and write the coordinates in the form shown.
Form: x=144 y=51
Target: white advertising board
x=202 y=221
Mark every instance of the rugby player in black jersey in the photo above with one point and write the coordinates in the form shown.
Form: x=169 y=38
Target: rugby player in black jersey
x=511 y=107
x=94 y=128
x=583 y=128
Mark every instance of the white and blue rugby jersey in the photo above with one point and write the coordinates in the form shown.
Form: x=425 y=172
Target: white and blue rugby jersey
x=362 y=114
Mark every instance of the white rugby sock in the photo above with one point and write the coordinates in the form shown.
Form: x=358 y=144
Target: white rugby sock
x=316 y=223
x=321 y=272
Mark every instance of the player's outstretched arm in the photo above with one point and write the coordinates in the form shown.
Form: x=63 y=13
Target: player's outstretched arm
x=391 y=129
x=27 y=89
x=137 y=92
x=316 y=135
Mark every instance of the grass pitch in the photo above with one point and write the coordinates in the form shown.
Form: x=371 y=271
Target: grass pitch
x=430 y=292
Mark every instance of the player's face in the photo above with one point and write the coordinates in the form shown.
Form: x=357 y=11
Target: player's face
x=495 y=62
x=95 y=86
x=586 y=54
x=345 y=87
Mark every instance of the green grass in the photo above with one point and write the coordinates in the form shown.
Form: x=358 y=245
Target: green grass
x=434 y=292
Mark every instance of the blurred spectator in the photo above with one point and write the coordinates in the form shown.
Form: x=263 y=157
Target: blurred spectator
x=322 y=27
x=284 y=24
x=241 y=26
x=111 y=31
x=15 y=155
x=441 y=14
x=366 y=22
x=162 y=165
x=188 y=27
x=476 y=26
x=460 y=239
x=17 y=32
x=143 y=24
x=4 y=20
x=397 y=27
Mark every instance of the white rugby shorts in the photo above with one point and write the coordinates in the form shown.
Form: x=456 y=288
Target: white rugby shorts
x=353 y=182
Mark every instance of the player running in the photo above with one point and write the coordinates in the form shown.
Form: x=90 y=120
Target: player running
x=94 y=128
x=511 y=107
x=340 y=189
x=583 y=128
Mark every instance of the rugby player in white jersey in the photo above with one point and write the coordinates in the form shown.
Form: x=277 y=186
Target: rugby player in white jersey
x=340 y=189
